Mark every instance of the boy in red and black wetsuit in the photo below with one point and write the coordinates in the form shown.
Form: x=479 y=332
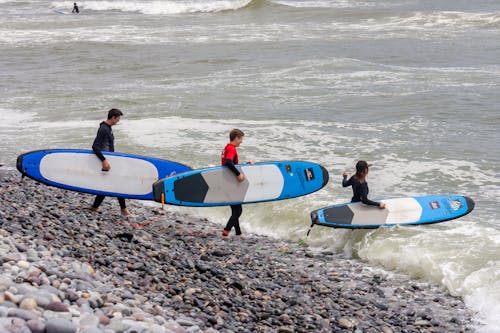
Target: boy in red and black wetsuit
x=229 y=158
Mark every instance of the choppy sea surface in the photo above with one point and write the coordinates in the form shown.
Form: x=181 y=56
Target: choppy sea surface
x=411 y=86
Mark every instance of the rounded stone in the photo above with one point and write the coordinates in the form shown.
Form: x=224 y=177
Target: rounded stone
x=57 y=307
x=58 y=325
x=23 y=264
x=28 y=304
x=36 y=326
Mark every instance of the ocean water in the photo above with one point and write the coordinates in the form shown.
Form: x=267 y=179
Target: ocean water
x=411 y=86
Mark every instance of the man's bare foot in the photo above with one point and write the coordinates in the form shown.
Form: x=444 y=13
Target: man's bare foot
x=126 y=212
x=93 y=209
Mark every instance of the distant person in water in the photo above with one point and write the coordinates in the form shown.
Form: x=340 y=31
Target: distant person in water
x=360 y=186
x=75 y=9
x=105 y=141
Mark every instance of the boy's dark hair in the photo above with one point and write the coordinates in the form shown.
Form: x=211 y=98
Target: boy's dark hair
x=236 y=133
x=114 y=113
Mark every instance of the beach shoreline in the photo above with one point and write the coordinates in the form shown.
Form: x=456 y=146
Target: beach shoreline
x=67 y=267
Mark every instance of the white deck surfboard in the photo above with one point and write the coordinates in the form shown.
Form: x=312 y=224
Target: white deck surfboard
x=131 y=176
x=399 y=211
x=218 y=186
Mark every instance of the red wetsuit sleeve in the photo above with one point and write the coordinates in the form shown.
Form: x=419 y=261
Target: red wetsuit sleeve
x=229 y=158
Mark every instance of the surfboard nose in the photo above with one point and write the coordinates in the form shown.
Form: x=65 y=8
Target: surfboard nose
x=326 y=176
x=470 y=204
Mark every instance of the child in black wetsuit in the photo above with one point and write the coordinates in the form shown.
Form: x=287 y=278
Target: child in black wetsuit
x=360 y=186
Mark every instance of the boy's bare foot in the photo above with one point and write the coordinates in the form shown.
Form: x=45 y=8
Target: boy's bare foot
x=93 y=209
x=126 y=212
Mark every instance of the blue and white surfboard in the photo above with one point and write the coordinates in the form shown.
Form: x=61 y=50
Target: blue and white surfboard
x=79 y=170
x=400 y=211
x=218 y=186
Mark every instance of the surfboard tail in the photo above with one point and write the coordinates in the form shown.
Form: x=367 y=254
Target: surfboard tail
x=158 y=190
x=314 y=217
x=19 y=163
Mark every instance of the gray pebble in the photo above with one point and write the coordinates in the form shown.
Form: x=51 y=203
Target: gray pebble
x=58 y=325
x=91 y=329
x=36 y=326
x=23 y=314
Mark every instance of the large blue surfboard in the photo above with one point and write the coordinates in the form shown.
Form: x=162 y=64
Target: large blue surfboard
x=79 y=170
x=399 y=211
x=218 y=186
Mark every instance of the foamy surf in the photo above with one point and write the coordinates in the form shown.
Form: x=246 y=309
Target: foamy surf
x=160 y=7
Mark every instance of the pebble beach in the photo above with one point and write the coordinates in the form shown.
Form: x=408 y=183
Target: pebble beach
x=64 y=268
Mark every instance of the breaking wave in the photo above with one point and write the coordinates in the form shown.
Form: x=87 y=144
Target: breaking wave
x=165 y=7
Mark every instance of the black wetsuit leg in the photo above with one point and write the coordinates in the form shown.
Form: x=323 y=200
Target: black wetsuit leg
x=98 y=201
x=122 y=203
x=234 y=220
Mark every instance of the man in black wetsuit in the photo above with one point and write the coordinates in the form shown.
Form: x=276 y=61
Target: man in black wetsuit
x=105 y=141
x=360 y=186
x=75 y=9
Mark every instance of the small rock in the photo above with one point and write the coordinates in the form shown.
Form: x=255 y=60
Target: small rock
x=23 y=314
x=92 y=329
x=346 y=323
x=104 y=320
x=28 y=304
x=57 y=307
x=88 y=320
x=36 y=326
x=17 y=325
x=387 y=329
x=23 y=264
x=139 y=316
x=58 y=325
x=174 y=327
x=422 y=323
x=185 y=322
x=11 y=297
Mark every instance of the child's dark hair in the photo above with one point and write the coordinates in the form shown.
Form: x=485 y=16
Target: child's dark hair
x=361 y=166
x=114 y=113
x=236 y=133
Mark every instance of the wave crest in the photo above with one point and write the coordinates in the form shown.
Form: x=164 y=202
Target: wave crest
x=165 y=7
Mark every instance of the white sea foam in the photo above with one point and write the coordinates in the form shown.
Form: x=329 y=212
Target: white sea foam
x=482 y=294
x=469 y=269
x=445 y=19
x=419 y=25
x=10 y=119
x=329 y=3
x=159 y=7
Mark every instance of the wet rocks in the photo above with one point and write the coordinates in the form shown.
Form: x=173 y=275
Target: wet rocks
x=67 y=269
